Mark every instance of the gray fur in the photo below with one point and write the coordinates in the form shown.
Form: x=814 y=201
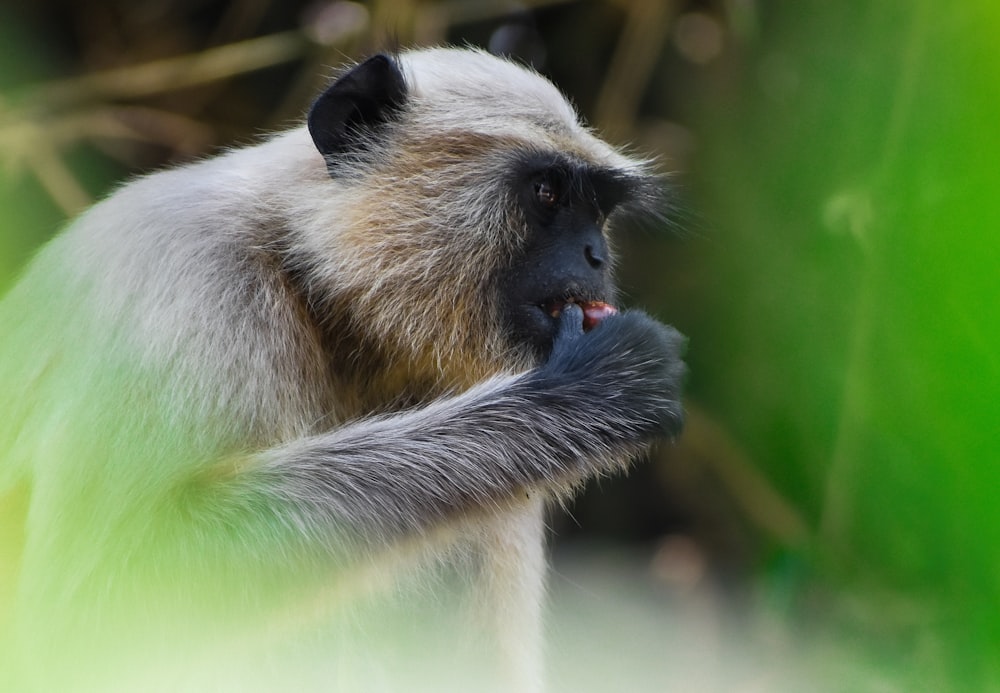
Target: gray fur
x=241 y=381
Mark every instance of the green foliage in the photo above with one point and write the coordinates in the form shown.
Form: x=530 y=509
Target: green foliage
x=854 y=338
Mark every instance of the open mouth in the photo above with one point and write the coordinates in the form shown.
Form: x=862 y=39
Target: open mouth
x=594 y=312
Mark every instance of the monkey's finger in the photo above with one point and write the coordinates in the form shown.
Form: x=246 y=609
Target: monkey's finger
x=570 y=322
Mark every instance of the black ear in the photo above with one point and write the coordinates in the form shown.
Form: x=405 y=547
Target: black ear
x=346 y=115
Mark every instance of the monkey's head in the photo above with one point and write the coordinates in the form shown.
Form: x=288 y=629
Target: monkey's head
x=471 y=206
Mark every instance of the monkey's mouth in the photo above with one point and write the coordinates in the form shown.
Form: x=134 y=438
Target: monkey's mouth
x=594 y=312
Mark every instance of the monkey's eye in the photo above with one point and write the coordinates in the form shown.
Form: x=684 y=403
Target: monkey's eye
x=546 y=193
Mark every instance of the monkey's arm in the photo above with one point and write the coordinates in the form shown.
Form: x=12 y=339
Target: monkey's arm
x=597 y=401
x=600 y=398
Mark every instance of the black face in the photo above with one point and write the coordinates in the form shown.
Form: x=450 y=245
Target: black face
x=566 y=257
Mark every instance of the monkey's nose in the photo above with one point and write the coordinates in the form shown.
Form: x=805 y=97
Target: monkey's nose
x=595 y=256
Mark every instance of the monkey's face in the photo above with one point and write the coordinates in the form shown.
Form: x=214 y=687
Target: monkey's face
x=565 y=257
x=474 y=203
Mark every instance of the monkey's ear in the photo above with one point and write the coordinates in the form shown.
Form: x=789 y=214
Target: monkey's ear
x=345 y=116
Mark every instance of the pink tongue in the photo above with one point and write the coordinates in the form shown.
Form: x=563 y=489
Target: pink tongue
x=594 y=312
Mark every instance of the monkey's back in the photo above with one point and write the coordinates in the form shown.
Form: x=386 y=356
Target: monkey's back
x=172 y=278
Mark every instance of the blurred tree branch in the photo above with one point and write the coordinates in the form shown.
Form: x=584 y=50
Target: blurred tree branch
x=135 y=81
x=639 y=45
x=712 y=445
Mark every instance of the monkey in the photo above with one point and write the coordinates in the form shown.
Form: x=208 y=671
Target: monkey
x=248 y=391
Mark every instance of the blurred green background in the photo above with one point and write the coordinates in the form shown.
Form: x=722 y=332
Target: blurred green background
x=832 y=254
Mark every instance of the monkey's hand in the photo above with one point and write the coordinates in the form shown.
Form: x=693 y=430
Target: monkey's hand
x=628 y=370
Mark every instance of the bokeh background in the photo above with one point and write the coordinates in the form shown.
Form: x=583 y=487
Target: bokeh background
x=830 y=519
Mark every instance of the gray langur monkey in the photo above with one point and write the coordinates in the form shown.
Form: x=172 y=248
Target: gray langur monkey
x=246 y=390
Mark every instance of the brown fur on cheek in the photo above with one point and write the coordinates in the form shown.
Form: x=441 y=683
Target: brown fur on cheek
x=416 y=314
x=414 y=304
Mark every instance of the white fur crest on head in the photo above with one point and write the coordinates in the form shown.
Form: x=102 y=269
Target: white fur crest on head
x=472 y=90
x=455 y=77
